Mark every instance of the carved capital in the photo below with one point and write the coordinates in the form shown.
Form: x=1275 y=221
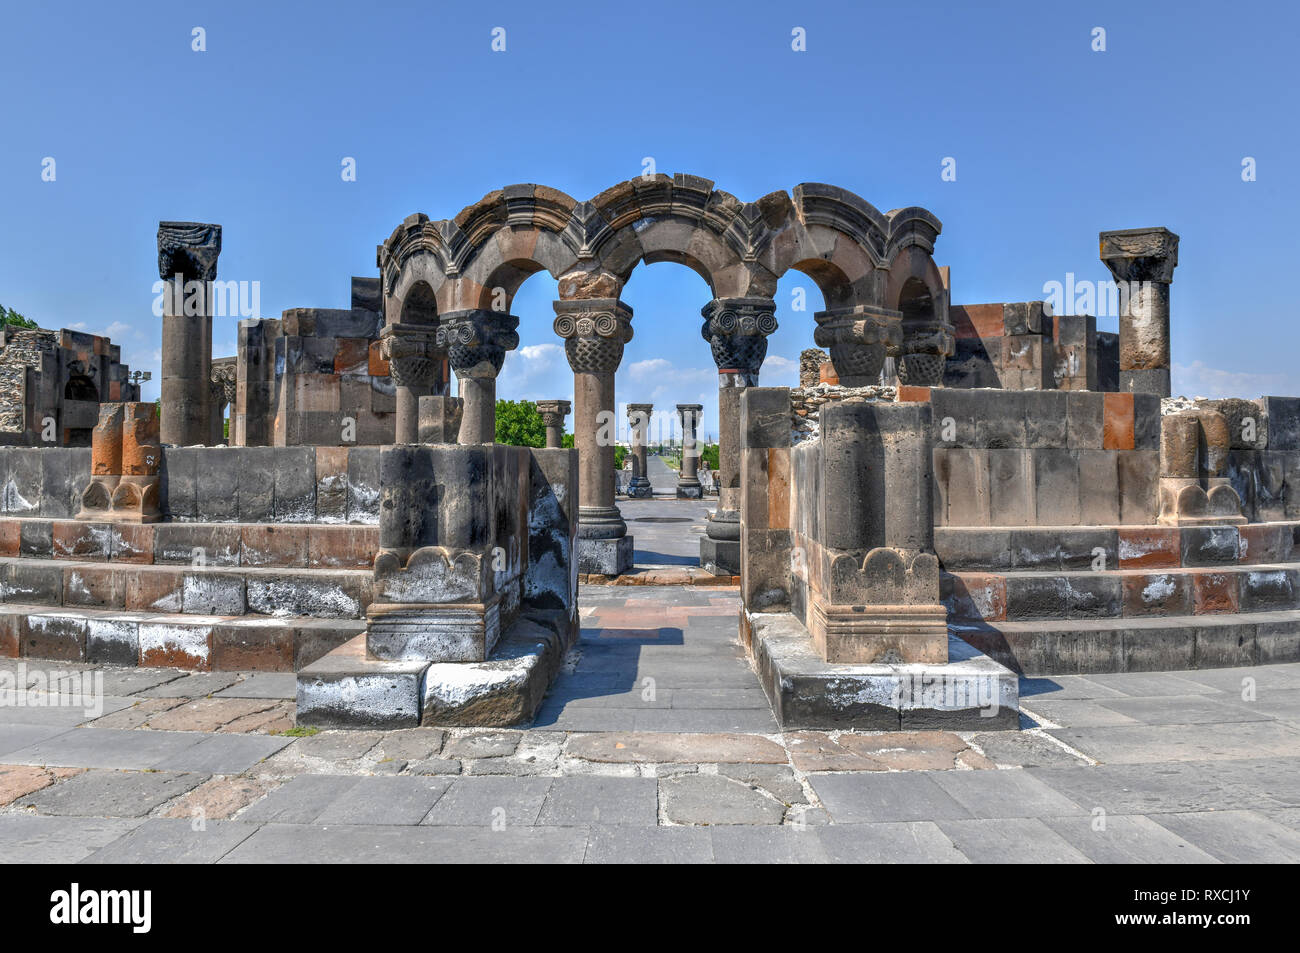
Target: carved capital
x=412 y=353
x=476 y=341
x=859 y=340
x=554 y=411
x=737 y=330
x=1140 y=254
x=188 y=248
x=594 y=332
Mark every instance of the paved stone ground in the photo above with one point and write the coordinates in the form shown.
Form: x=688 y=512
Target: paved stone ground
x=655 y=745
x=666 y=532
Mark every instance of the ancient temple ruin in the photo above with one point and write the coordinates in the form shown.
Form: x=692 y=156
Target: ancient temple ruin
x=955 y=495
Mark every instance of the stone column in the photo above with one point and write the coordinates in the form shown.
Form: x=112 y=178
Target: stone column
x=594 y=332
x=553 y=413
x=222 y=394
x=105 y=463
x=638 y=419
x=688 y=481
x=136 y=499
x=476 y=342
x=1142 y=261
x=414 y=362
x=737 y=330
x=187 y=261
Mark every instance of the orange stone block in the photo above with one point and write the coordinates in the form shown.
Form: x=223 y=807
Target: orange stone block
x=377 y=365
x=1215 y=592
x=1149 y=547
x=141 y=451
x=1117 y=422
x=778 y=488
x=106 y=441
x=352 y=356
x=976 y=320
x=907 y=394
x=11 y=531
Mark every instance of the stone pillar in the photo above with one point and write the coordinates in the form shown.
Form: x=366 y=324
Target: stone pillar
x=877 y=597
x=638 y=419
x=476 y=342
x=105 y=463
x=737 y=330
x=440 y=419
x=1142 y=261
x=222 y=394
x=553 y=413
x=595 y=331
x=414 y=361
x=187 y=261
x=859 y=339
x=1194 y=487
x=136 y=499
x=688 y=480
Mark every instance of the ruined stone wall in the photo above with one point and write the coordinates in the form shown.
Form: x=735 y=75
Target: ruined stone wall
x=211 y=484
x=314 y=377
x=1017 y=346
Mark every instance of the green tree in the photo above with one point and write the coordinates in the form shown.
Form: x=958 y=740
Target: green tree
x=519 y=424
x=10 y=316
x=709 y=455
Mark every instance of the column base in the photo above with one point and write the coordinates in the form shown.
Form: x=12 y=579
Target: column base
x=600 y=522
x=720 y=556
x=605 y=557
x=1151 y=381
x=688 y=491
x=640 y=488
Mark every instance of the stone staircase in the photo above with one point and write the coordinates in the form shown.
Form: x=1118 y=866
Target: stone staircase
x=268 y=597
x=1057 y=600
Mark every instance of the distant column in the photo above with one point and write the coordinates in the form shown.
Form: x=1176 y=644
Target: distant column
x=638 y=418
x=553 y=413
x=187 y=262
x=688 y=480
x=1142 y=261
x=414 y=363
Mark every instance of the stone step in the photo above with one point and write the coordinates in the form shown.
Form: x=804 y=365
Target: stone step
x=171 y=640
x=1171 y=643
x=347 y=689
x=186 y=589
x=1014 y=548
x=251 y=545
x=1123 y=593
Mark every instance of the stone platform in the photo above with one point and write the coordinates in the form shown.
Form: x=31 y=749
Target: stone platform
x=969 y=692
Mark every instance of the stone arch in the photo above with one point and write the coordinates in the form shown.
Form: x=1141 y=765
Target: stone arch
x=419 y=305
x=80 y=387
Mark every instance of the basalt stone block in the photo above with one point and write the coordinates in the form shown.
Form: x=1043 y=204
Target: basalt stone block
x=1158 y=647
x=197 y=544
x=61 y=481
x=256 y=484
x=1267 y=590
x=961 y=479
x=1265 y=543
x=1146 y=421
x=718 y=556
x=36 y=538
x=1226 y=644
x=174 y=645
x=253 y=645
x=1037 y=597
x=363 y=484
x=58 y=636
x=550 y=581
x=765 y=412
x=1149 y=547
x=1093 y=596
x=114 y=641
x=356 y=323
x=954 y=418
x=34 y=582
x=1139 y=481
x=1022 y=317
x=1276 y=642
x=1269 y=487
x=23 y=481
x=95 y=587
x=74 y=539
x=344 y=689
x=1098 y=487
x=1046 y=419
x=217 y=486
x=1000 y=420
x=1209 y=545
x=367 y=294
x=332 y=484
x=973 y=549
x=1283 y=420
x=179 y=489
x=1085 y=413
x=326 y=596
x=211 y=593
x=1056 y=485
x=318 y=354
x=975 y=596
x=1157 y=594
x=1011 y=499
x=1035 y=549
x=313 y=639
x=1215 y=592
x=1091 y=549
x=295 y=484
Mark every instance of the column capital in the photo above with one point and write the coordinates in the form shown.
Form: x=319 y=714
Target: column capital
x=690 y=408
x=188 y=248
x=859 y=339
x=737 y=330
x=554 y=411
x=476 y=340
x=594 y=332
x=642 y=410
x=1140 y=254
x=412 y=352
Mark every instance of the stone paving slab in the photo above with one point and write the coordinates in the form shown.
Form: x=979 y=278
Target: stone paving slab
x=914 y=842
x=639 y=747
x=1018 y=840
x=1147 y=743
x=35 y=839
x=1126 y=839
x=193 y=685
x=767 y=845
x=46 y=709
x=870 y=798
x=333 y=844
x=224 y=754
x=582 y=801
x=1180 y=710
x=15 y=737
x=111 y=793
x=481 y=802
x=300 y=800
x=649 y=845
x=103 y=748
x=1164 y=788
x=172 y=841
x=1237 y=837
x=1004 y=794
x=701 y=799
x=277 y=685
x=386 y=801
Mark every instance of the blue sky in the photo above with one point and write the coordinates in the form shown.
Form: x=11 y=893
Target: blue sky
x=1053 y=142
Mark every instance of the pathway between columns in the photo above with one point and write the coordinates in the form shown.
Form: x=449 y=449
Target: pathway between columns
x=666 y=532
x=663 y=478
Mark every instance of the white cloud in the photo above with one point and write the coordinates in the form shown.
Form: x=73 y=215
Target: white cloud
x=541 y=354
x=1199 y=380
